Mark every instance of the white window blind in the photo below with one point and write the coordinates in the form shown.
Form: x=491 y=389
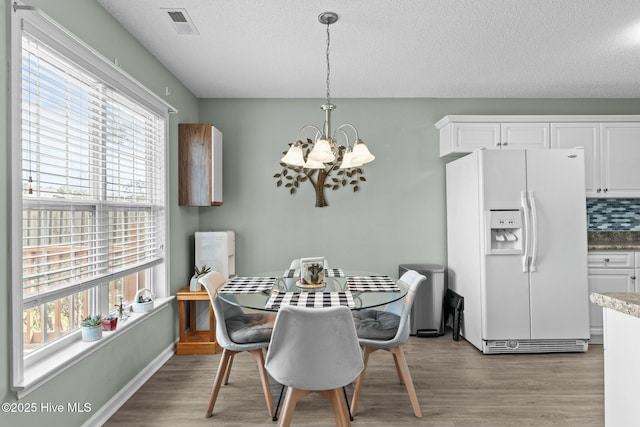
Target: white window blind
x=93 y=178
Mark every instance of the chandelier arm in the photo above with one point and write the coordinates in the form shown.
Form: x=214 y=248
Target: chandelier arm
x=343 y=133
x=349 y=125
x=316 y=128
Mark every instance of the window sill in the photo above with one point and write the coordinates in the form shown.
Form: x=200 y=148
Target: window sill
x=46 y=369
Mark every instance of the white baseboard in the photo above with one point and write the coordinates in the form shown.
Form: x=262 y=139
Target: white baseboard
x=111 y=407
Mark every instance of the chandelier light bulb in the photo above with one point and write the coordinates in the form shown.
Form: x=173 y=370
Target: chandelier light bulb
x=294 y=156
x=361 y=153
x=322 y=151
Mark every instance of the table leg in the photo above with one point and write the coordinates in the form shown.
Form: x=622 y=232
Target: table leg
x=182 y=321
x=192 y=318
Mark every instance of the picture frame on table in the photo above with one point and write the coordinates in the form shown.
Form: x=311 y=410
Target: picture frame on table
x=312 y=271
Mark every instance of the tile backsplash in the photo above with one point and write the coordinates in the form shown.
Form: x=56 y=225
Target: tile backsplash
x=613 y=214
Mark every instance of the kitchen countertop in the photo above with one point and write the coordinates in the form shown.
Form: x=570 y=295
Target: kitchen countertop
x=613 y=240
x=624 y=302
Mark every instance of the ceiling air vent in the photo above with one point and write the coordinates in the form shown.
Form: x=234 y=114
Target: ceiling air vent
x=182 y=21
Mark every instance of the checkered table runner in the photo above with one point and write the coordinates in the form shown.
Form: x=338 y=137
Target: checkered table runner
x=310 y=299
x=247 y=285
x=329 y=272
x=371 y=284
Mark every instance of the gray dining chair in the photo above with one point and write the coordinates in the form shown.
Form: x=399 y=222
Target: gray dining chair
x=388 y=330
x=237 y=331
x=314 y=350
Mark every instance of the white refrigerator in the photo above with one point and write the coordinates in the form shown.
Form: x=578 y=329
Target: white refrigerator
x=517 y=249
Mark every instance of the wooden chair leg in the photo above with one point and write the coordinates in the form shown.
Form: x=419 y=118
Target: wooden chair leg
x=264 y=378
x=228 y=371
x=395 y=361
x=293 y=394
x=222 y=368
x=340 y=412
x=404 y=368
x=356 y=391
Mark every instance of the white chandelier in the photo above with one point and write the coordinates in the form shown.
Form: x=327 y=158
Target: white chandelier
x=325 y=146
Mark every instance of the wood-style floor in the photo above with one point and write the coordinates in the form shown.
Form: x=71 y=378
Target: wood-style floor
x=456 y=385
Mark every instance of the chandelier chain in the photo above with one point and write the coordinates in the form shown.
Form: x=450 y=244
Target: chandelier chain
x=328 y=65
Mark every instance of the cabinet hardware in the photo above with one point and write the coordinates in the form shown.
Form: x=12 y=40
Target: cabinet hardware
x=633 y=277
x=598 y=190
x=606 y=189
x=606 y=260
x=504 y=144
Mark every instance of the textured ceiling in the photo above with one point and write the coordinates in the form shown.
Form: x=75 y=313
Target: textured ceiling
x=396 y=48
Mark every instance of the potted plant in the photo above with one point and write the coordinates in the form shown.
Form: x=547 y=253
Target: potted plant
x=194 y=285
x=92 y=328
x=109 y=323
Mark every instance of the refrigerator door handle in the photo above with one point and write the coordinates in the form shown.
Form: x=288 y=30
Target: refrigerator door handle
x=534 y=232
x=525 y=240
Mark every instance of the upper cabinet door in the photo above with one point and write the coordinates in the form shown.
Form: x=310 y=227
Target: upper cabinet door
x=586 y=136
x=524 y=135
x=620 y=153
x=467 y=137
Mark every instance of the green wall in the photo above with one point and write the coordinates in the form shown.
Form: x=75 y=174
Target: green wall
x=399 y=214
x=397 y=217
x=97 y=378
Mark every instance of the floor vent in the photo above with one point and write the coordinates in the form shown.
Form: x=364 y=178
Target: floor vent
x=535 y=346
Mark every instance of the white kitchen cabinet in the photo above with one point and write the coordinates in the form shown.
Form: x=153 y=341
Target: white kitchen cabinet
x=620 y=152
x=608 y=272
x=611 y=143
x=524 y=135
x=465 y=137
x=611 y=154
x=586 y=136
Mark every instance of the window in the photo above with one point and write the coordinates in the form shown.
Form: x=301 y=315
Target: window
x=89 y=208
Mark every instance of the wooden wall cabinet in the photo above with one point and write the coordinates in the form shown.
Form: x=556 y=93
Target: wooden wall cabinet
x=199 y=165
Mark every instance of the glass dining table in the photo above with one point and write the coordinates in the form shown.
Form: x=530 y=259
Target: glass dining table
x=355 y=289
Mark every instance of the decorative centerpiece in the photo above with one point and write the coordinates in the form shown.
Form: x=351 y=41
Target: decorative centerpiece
x=311 y=275
x=92 y=328
x=194 y=285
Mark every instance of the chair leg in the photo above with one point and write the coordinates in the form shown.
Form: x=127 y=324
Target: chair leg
x=264 y=379
x=293 y=394
x=339 y=408
x=228 y=371
x=406 y=375
x=395 y=361
x=356 y=391
x=222 y=368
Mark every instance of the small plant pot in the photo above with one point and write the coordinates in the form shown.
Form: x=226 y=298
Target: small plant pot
x=91 y=333
x=194 y=285
x=109 y=324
